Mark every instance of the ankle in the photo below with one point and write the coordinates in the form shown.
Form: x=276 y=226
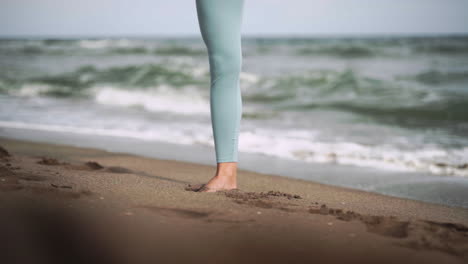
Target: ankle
x=226 y=169
x=226 y=175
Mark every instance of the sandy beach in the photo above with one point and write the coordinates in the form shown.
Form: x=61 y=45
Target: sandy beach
x=63 y=204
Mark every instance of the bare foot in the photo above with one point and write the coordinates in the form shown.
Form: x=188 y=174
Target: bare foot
x=218 y=183
x=225 y=179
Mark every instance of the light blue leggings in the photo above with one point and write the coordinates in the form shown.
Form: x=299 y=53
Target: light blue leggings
x=220 y=25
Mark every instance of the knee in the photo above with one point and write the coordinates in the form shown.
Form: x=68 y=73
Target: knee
x=226 y=64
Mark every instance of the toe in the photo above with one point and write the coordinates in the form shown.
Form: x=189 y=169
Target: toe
x=205 y=188
x=194 y=187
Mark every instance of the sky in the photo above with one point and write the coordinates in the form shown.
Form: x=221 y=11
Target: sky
x=261 y=17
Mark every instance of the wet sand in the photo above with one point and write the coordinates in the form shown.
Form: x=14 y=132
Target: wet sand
x=63 y=204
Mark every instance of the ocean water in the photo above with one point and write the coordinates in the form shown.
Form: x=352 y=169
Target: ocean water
x=393 y=103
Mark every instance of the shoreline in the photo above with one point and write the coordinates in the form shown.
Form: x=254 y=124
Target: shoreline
x=127 y=208
x=451 y=191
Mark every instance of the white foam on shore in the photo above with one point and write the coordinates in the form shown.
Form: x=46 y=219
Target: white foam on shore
x=32 y=90
x=305 y=148
x=161 y=99
x=181 y=134
x=290 y=144
x=105 y=43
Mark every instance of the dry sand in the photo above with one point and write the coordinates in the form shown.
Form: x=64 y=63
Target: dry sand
x=62 y=204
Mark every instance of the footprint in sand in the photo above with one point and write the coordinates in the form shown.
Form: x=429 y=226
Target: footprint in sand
x=4 y=154
x=93 y=165
x=51 y=162
x=421 y=234
x=208 y=216
x=89 y=165
x=167 y=211
x=11 y=181
x=270 y=199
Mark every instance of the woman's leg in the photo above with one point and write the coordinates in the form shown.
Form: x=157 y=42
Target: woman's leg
x=220 y=26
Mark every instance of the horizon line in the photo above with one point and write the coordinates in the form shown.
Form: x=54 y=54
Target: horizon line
x=245 y=35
